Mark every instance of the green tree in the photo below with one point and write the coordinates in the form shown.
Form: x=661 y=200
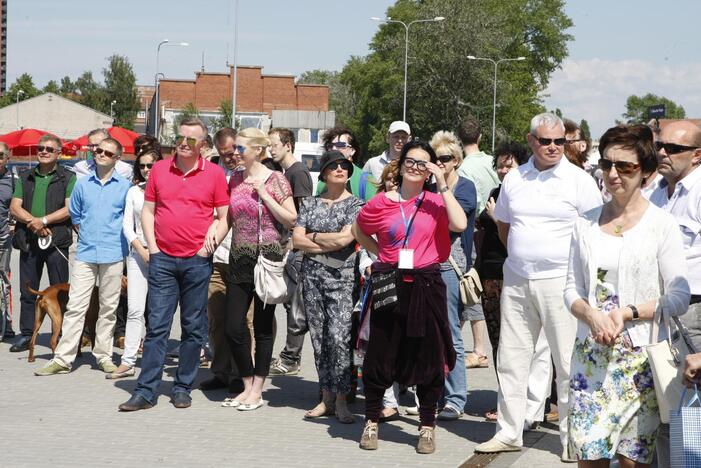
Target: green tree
x=440 y=75
x=188 y=112
x=89 y=92
x=24 y=83
x=52 y=87
x=224 y=119
x=584 y=127
x=637 y=108
x=120 y=86
x=67 y=88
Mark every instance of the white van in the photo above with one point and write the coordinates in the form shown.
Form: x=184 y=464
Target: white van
x=309 y=154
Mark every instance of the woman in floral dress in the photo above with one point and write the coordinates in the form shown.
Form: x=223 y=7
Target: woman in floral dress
x=627 y=265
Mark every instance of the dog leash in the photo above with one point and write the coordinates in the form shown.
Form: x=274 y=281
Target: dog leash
x=48 y=241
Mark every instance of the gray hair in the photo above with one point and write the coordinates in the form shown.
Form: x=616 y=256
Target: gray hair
x=99 y=131
x=546 y=119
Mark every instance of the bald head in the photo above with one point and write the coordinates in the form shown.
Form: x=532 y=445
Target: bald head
x=682 y=132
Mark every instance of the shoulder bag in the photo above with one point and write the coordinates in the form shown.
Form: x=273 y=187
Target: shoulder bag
x=271 y=283
x=470 y=284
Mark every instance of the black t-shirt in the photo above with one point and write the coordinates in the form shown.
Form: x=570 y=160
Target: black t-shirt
x=492 y=254
x=300 y=180
x=271 y=164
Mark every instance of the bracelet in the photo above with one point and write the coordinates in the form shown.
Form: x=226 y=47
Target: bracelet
x=634 y=309
x=444 y=189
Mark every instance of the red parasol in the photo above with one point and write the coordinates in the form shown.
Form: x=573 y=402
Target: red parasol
x=122 y=135
x=23 y=142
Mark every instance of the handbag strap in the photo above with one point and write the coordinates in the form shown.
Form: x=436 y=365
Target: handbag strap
x=260 y=215
x=685 y=335
x=695 y=398
x=455 y=266
x=411 y=220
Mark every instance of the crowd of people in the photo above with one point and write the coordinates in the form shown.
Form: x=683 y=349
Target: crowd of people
x=577 y=262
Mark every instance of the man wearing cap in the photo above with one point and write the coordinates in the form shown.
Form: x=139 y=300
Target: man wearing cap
x=397 y=136
x=341 y=139
x=40 y=206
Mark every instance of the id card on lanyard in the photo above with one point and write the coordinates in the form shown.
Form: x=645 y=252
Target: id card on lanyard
x=406 y=256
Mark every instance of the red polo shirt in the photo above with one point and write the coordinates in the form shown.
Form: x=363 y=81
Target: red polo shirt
x=185 y=204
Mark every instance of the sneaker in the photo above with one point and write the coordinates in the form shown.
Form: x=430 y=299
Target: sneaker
x=107 y=366
x=52 y=368
x=368 y=441
x=427 y=442
x=412 y=410
x=280 y=367
x=449 y=413
x=494 y=445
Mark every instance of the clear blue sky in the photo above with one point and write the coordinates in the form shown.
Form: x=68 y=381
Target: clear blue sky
x=620 y=48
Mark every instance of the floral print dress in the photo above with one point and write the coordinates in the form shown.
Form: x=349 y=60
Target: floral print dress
x=612 y=404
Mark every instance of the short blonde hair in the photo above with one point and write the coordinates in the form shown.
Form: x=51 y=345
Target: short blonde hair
x=257 y=137
x=444 y=142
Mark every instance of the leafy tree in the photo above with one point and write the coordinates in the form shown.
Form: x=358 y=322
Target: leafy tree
x=120 y=86
x=67 y=87
x=441 y=76
x=51 y=87
x=637 y=106
x=89 y=92
x=224 y=119
x=188 y=112
x=584 y=127
x=24 y=83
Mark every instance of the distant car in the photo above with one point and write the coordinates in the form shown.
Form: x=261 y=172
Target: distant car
x=309 y=154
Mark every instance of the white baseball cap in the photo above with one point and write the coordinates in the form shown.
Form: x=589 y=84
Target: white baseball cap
x=399 y=126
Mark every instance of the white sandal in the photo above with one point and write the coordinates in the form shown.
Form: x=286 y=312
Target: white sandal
x=230 y=402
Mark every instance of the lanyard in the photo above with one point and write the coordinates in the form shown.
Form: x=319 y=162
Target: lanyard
x=407 y=224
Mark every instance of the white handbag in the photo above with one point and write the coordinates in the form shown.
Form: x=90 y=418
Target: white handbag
x=470 y=284
x=269 y=277
x=667 y=363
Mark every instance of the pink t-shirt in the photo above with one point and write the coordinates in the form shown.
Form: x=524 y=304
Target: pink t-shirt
x=429 y=236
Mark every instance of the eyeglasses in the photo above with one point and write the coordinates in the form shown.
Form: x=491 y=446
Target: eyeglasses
x=549 y=141
x=91 y=146
x=420 y=165
x=345 y=165
x=622 y=167
x=569 y=142
x=48 y=149
x=673 y=148
x=240 y=149
x=145 y=165
x=340 y=144
x=191 y=141
x=227 y=155
x=3 y=154
x=446 y=158
x=109 y=154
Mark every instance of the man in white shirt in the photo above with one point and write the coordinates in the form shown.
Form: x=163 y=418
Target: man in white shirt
x=87 y=166
x=397 y=136
x=536 y=210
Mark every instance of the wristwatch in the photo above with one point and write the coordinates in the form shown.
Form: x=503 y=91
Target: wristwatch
x=634 y=309
x=444 y=189
x=44 y=221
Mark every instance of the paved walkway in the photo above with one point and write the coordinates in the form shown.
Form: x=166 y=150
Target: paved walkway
x=72 y=420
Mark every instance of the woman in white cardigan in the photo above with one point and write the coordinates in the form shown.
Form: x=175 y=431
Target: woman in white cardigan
x=626 y=267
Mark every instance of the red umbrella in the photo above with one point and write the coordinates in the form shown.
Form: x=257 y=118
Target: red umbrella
x=122 y=135
x=23 y=142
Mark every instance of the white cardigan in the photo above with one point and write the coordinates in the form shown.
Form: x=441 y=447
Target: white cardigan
x=651 y=263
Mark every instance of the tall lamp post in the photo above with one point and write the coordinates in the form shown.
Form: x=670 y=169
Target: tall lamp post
x=156 y=119
x=406 y=45
x=112 y=110
x=21 y=91
x=494 y=105
x=236 y=65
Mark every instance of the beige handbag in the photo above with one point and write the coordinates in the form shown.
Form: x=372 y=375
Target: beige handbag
x=667 y=363
x=273 y=286
x=470 y=284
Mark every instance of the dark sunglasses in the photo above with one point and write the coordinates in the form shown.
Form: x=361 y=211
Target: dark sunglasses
x=240 y=149
x=673 y=148
x=569 y=142
x=345 y=165
x=446 y=158
x=91 y=146
x=145 y=165
x=3 y=154
x=109 y=154
x=420 y=165
x=622 y=167
x=191 y=141
x=549 y=141
x=48 y=149
x=340 y=144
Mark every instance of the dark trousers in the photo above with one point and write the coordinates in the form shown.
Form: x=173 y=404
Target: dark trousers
x=172 y=280
x=292 y=353
x=238 y=299
x=31 y=267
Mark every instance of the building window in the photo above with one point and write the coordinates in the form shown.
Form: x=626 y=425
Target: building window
x=141 y=115
x=314 y=135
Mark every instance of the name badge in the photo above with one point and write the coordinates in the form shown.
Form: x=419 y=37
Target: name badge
x=358 y=357
x=406 y=259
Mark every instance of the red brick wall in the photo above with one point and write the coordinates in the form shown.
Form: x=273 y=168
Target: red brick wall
x=278 y=93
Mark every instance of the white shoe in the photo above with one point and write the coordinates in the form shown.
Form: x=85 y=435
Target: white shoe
x=412 y=410
x=250 y=406
x=230 y=402
x=494 y=445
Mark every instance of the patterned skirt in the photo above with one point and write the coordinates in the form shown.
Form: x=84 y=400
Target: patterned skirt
x=612 y=404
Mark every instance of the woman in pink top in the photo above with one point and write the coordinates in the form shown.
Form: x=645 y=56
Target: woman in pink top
x=410 y=340
x=255 y=184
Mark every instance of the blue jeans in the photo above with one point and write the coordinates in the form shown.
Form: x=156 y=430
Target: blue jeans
x=172 y=280
x=455 y=391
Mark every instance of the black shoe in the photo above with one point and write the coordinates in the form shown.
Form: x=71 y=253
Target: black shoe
x=212 y=384
x=20 y=345
x=236 y=386
x=135 y=403
x=181 y=400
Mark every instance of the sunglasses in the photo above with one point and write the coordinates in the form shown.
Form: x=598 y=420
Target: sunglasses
x=569 y=142
x=47 y=149
x=420 y=165
x=446 y=158
x=191 y=141
x=91 y=146
x=145 y=165
x=345 y=165
x=109 y=154
x=340 y=144
x=3 y=154
x=549 y=141
x=622 y=167
x=673 y=148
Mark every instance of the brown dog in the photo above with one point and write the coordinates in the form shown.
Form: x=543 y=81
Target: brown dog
x=52 y=301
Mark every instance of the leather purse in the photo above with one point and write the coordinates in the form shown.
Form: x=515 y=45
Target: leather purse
x=470 y=284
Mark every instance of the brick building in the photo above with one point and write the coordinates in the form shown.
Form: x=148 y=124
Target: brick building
x=259 y=97
x=145 y=95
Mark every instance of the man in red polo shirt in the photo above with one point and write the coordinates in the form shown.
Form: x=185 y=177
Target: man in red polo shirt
x=181 y=196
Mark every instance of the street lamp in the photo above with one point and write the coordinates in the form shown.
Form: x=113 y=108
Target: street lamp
x=236 y=64
x=21 y=91
x=494 y=105
x=165 y=42
x=406 y=45
x=112 y=110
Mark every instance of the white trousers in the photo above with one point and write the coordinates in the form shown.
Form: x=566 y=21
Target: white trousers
x=539 y=378
x=137 y=277
x=83 y=278
x=527 y=307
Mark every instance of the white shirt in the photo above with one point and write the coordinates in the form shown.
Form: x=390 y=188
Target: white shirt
x=647 y=191
x=541 y=207
x=87 y=167
x=685 y=206
x=650 y=267
x=376 y=165
x=132 y=216
x=221 y=254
